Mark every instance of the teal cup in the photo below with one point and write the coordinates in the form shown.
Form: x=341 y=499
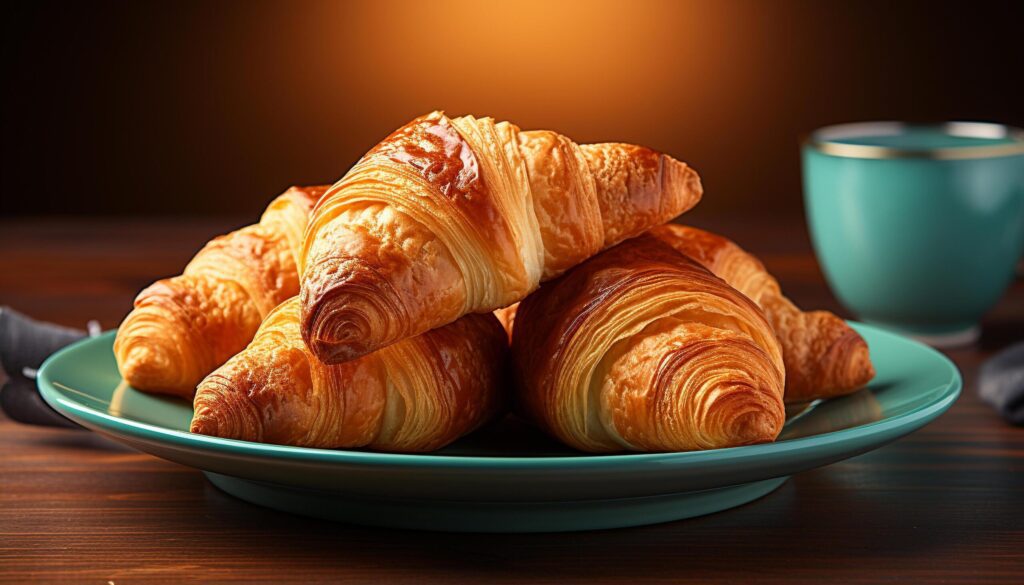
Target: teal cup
x=917 y=228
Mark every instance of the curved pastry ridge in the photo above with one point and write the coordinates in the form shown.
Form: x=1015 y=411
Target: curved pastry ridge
x=564 y=197
x=685 y=369
x=642 y=349
x=505 y=173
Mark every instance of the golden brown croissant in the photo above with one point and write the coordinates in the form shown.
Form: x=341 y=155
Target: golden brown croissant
x=824 y=356
x=453 y=216
x=643 y=349
x=416 y=395
x=183 y=327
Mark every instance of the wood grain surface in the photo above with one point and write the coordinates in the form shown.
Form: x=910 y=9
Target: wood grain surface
x=944 y=505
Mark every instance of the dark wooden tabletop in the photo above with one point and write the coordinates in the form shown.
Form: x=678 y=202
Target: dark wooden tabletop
x=945 y=504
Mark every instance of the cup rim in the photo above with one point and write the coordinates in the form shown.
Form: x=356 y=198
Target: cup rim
x=825 y=140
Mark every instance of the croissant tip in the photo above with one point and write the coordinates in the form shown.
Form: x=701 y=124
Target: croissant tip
x=311 y=325
x=754 y=427
x=864 y=370
x=854 y=368
x=224 y=406
x=204 y=425
x=330 y=349
x=339 y=325
x=680 y=178
x=151 y=368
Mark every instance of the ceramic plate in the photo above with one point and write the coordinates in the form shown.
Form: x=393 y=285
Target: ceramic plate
x=508 y=477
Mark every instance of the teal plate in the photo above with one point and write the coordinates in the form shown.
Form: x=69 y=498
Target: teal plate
x=508 y=477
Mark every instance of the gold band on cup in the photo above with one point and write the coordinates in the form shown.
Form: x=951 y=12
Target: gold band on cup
x=826 y=140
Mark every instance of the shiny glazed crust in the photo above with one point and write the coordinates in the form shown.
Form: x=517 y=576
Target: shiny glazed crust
x=453 y=216
x=416 y=395
x=824 y=356
x=642 y=349
x=183 y=327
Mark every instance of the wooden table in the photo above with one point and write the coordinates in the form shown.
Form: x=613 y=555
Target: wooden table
x=943 y=505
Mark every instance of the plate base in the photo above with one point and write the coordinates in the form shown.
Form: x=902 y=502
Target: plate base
x=469 y=516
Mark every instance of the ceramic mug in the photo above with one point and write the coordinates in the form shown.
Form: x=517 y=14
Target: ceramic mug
x=917 y=228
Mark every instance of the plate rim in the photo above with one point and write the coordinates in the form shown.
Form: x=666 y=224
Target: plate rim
x=137 y=430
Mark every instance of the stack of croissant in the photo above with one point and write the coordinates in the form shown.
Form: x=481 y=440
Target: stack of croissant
x=464 y=268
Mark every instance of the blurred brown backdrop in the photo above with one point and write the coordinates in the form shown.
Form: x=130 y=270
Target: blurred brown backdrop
x=193 y=107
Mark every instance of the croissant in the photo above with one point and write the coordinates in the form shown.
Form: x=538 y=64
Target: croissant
x=416 y=395
x=643 y=349
x=453 y=216
x=183 y=327
x=824 y=356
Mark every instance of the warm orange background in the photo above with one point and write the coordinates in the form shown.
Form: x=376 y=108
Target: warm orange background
x=213 y=107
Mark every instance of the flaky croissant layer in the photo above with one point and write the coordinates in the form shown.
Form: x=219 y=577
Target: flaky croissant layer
x=824 y=356
x=642 y=349
x=453 y=216
x=416 y=395
x=183 y=327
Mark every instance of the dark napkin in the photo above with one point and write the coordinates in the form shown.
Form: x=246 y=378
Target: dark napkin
x=24 y=344
x=1001 y=383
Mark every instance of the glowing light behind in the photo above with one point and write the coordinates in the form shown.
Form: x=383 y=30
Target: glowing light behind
x=215 y=106
x=663 y=74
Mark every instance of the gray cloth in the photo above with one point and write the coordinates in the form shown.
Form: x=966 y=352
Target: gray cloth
x=1001 y=383
x=24 y=344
